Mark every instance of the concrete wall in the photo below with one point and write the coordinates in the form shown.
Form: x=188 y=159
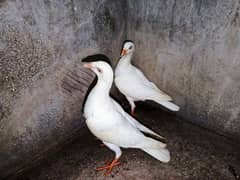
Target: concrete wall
x=42 y=82
x=191 y=49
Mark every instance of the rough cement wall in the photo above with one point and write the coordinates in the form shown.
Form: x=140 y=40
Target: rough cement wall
x=42 y=83
x=191 y=49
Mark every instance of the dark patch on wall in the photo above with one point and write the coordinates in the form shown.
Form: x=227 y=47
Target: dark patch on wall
x=105 y=23
x=109 y=23
x=172 y=29
x=236 y=17
x=1 y=112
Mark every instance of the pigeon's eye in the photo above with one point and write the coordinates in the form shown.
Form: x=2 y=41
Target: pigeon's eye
x=99 y=70
x=130 y=47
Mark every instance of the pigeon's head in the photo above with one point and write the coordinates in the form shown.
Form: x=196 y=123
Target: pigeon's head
x=100 y=65
x=128 y=47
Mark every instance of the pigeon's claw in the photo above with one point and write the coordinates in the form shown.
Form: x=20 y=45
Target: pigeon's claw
x=102 y=145
x=133 y=113
x=109 y=167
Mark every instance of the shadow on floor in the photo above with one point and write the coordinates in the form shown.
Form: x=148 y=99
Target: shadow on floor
x=195 y=154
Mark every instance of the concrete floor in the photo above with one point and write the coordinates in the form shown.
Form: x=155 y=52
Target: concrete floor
x=196 y=153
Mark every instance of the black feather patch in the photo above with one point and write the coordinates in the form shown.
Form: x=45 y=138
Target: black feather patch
x=127 y=40
x=97 y=57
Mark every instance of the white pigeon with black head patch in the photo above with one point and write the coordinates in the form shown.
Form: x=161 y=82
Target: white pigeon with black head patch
x=133 y=83
x=110 y=123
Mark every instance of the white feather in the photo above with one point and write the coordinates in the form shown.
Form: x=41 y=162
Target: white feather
x=160 y=154
x=107 y=120
x=169 y=105
x=135 y=122
x=135 y=86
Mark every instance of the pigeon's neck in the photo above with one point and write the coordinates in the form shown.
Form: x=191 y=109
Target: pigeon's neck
x=126 y=60
x=102 y=88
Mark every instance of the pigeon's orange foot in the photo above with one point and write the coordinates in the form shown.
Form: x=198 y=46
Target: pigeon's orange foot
x=109 y=167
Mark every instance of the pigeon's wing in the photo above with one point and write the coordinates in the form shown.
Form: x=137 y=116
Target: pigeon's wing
x=142 y=78
x=134 y=122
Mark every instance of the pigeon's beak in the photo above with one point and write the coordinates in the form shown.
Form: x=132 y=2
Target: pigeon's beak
x=87 y=65
x=124 y=52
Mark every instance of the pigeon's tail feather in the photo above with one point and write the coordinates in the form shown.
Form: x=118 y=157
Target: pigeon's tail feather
x=161 y=154
x=169 y=105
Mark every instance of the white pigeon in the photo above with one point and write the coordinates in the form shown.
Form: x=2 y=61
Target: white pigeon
x=107 y=120
x=134 y=85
